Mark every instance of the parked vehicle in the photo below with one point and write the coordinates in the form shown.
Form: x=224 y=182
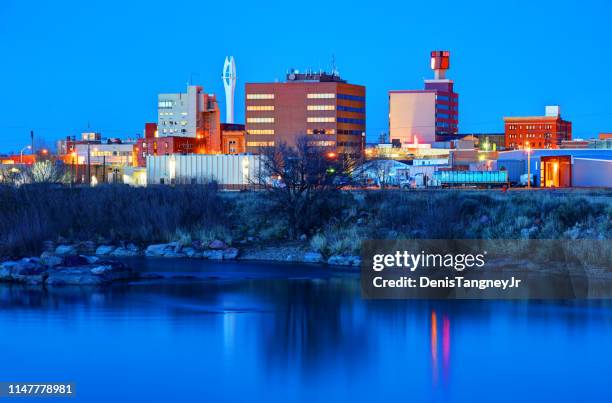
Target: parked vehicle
x=471 y=178
x=419 y=181
x=523 y=180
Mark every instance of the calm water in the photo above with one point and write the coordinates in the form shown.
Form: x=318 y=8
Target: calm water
x=273 y=333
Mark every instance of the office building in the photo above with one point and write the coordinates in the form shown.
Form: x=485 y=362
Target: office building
x=323 y=107
x=427 y=115
x=547 y=131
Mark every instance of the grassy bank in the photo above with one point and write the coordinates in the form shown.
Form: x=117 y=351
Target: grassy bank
x=333 y=224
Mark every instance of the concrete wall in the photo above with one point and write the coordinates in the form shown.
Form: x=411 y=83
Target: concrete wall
x=412 y=113
x=592 y=173
x=226 y=170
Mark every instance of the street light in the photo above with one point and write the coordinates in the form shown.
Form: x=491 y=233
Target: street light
x=21 y=153
x=528 y=149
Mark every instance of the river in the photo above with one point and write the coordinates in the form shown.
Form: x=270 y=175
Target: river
x=229 y=332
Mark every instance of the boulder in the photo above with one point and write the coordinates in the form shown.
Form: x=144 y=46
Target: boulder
x=86 y=247
x=189 y=252
x=104 y=250
x=172 y=253
x=157 y=250
x=26 y=270
x=230 y=253
x=124 y=252
x=50 y=259
x=344 y=260
x=313 y=257
x=65 y=250
x=92 y=259
x=73 y=276
x=75 y=260
x=217 y=244
x=213 y=254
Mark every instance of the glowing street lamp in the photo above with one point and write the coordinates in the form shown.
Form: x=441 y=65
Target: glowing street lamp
x=21 y=153
x=528 y=149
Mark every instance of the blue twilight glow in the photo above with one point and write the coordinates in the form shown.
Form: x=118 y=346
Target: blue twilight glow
x=67 y=64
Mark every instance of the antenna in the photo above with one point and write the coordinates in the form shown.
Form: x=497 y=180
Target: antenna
x=334 y=71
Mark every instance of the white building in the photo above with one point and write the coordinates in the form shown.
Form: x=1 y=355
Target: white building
x=113 y=154
x=412 y=114
x=180 y=114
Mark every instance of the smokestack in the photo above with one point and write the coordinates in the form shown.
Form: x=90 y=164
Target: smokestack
x=440 y=62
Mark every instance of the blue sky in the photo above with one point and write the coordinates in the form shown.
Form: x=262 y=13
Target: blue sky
x=69 y=64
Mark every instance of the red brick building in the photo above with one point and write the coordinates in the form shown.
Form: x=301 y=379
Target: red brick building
x=229 y=141
x=323 y=107
x=547 y=131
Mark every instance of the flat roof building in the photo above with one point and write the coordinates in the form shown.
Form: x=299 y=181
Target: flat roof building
x=427 y=115
x=326 y=109
x=548 y=131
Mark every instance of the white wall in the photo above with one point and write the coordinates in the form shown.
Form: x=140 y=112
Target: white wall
x=412 y=114
x=592 y=173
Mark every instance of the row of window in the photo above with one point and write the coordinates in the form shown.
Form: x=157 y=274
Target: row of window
x=322 y=143
x=351 y=132
x=320 y=131
x=165 y=104
x=351 y=97
x=321 y=107
x=352 y=121
x=443 y=115
x=260 y=96
x=263 y=131
x=260 y=120
x=529 y=136
x=350 y=109
x=174 y=131
x=348 y=144
x=446 y=98
x=321 y=119
x=530 y=127
x=260 y=144
x=260 y=107
x=321 y=96
x=173 y=123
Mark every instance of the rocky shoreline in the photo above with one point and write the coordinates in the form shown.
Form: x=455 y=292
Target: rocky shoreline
x=87 y=263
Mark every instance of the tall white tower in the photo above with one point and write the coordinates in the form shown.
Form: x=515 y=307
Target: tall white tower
x=229 y=82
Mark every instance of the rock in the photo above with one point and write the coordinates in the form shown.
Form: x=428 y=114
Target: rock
x=124 y=252
x=86 y=247
x=50 y=259
x=65 y=250
x=158 y=250
x=74 y=276
x=213 y=254
x=26 y=271
x=252 y=238
x=173 y=254
x=230 y=253
x=217 y=244
x=75 y=260
x=189 y=252
x=104 y=250
x=197 y=245
x=92 y=259
x=99 y=270
x=313 y=257
x=342 y=260
x=303 y=238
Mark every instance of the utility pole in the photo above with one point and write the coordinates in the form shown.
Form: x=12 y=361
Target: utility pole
x=32 y=140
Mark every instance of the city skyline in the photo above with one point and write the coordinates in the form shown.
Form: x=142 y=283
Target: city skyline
x=98 y=68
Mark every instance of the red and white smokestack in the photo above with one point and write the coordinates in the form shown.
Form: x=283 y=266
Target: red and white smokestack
x=440 y=62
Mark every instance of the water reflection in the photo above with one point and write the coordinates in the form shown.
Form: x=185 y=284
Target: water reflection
x=297 y=333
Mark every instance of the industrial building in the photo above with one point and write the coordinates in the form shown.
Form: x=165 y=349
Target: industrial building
x=427 y=115
x=228 y=171
x=547 y=131
x=321 y=106
x=559 y=167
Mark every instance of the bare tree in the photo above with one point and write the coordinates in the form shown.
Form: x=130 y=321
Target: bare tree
x=302 y=183
x=46 y=172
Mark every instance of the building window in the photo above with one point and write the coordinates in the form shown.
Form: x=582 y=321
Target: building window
x=351 y=97
x=260 y=107
x=320 y=131
x=350 y=109
x=321 y=107
x=260 y=143
x=260 y=120
x=165 y=104
x=264 y=131
x=352 y=121
x=260 y=96
x=321 y=119
x=322 y=143
x=321 y=96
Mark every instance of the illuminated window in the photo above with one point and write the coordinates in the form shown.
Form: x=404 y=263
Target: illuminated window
x=260 y=96
x=322 y=143
x=321 y=107
x=261 y=131
x=321 y=96
x=165 y=104
x=321 y=119
x=260 y=107
x=260 y=120
x=320 y=131
x=260 y=143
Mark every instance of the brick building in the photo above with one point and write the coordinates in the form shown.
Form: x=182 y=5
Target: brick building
x=323 y=107
x=547 y=131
